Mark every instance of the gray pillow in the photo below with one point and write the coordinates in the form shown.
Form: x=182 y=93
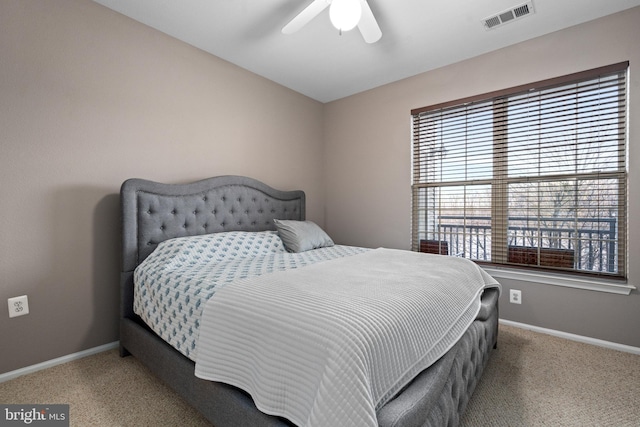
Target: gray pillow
x=300 y=236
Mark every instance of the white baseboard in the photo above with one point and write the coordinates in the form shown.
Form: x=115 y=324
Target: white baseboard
x=60 y=360
x=573 y=337
x=95 y=350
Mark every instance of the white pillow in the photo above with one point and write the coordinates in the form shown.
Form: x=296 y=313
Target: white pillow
x=300 y=236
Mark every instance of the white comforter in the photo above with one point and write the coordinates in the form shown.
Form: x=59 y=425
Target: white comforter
x=328 y=344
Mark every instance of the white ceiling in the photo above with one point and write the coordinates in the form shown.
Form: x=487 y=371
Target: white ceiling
x=417 y=36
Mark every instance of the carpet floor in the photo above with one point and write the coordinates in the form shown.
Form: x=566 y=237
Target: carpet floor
x=532 y=379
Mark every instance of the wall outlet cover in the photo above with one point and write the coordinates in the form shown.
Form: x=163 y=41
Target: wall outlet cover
x=18 y=306
x=515 y=296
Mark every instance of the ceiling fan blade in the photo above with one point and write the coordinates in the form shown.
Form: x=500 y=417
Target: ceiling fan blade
x=368 y=25
x=305 y=16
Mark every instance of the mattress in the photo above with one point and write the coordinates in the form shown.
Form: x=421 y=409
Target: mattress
x=173 y=284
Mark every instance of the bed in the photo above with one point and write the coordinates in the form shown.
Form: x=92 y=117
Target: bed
x=153 y=213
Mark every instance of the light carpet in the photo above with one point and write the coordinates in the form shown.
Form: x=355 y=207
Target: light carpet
x=532 y=379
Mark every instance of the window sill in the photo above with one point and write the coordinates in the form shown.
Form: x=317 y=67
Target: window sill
x=561 y=280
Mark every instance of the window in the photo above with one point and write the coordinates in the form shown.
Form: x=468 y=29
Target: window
x=533 y=176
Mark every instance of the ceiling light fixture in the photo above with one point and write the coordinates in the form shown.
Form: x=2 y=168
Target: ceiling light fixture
x=360 y=12
x=345 y=14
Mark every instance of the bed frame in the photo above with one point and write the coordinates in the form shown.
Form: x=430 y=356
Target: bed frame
x=153 y=212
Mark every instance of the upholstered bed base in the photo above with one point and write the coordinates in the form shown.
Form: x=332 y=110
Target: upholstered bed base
x=152 y=212
x=437 y=397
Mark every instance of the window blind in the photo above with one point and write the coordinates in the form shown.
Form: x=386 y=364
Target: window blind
x=533 y=176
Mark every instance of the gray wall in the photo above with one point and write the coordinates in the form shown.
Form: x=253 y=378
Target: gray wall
x=368 y=158
x=89 y=98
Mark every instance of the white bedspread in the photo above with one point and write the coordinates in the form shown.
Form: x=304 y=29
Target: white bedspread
x=328 y=344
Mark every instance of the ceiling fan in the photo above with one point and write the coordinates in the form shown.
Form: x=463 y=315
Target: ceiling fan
x=344 y=14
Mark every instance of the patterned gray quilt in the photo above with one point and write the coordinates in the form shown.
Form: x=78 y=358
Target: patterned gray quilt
x=172 y=285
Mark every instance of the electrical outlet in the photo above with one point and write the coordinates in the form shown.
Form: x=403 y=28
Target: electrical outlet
x=515 y=296
x=18 y=306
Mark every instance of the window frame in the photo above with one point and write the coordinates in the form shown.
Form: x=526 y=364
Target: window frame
x=573 y=277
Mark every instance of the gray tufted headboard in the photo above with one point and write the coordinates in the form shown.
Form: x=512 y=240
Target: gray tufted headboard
x=153 y=212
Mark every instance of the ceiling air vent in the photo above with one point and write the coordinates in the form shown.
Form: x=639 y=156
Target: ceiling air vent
x=509 y=15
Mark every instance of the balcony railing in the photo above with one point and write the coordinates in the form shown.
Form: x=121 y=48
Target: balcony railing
x=589 y=244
